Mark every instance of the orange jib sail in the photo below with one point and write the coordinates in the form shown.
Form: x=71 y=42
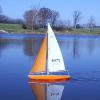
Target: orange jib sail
x=40 y=61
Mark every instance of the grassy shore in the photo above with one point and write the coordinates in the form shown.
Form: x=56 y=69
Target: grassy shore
x=13 y=28
x=17 y=28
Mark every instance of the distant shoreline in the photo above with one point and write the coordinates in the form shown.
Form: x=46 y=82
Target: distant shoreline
x=42 y=35
x=17 y=29
x=39 y=33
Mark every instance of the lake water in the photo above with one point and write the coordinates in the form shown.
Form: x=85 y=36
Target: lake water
x=81 y=56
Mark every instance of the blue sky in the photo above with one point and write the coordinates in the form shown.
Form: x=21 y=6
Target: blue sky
x=16 y=8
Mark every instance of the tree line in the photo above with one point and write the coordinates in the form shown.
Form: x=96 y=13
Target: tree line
x=35 y=18
x=39 y=17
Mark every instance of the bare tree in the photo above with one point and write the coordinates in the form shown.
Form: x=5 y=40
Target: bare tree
x=76 y=17
x=91 y=23
x=54 y=17
x=44 y=15
x=35 y=13
x=30 y=16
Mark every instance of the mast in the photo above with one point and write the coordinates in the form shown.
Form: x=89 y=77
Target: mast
x=47 y=71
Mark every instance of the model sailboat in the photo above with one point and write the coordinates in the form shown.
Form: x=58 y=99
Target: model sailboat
x=49 y=63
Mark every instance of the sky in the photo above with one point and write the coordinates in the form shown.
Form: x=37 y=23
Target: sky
x=16 y=8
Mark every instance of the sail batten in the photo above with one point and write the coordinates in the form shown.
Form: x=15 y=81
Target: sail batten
x=55 y=59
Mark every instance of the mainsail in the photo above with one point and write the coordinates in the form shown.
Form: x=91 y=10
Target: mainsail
x=55 y=59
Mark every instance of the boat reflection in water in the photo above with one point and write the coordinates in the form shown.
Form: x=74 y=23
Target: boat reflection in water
x=46 y=91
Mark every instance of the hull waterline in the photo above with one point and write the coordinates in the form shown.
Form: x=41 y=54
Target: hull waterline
x=48 y=78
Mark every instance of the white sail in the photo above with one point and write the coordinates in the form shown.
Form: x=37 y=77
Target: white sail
x=55 y=59
x=54 y=92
